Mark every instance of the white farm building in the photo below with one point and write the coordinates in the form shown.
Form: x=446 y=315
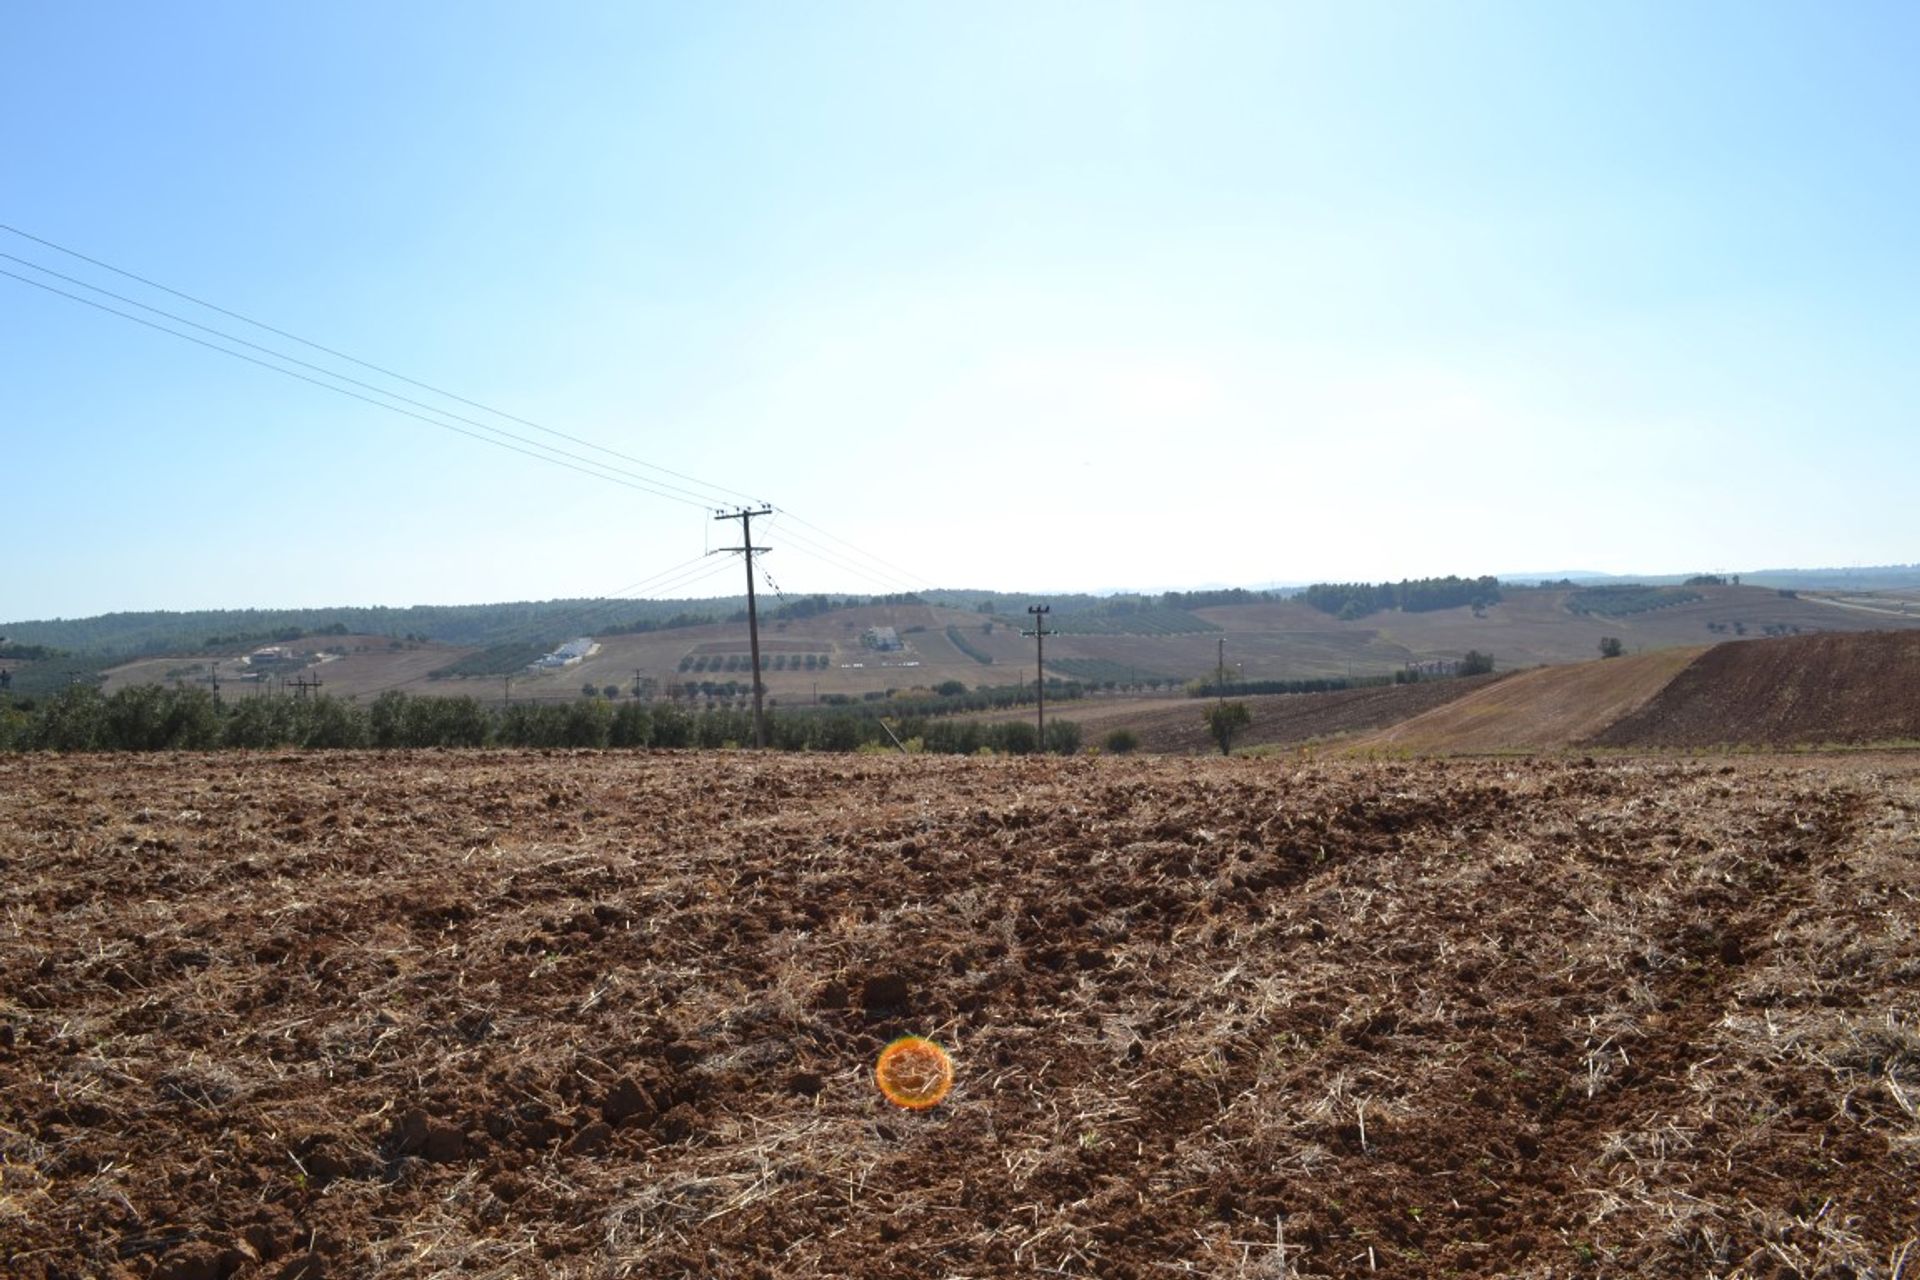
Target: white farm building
x=569 y=653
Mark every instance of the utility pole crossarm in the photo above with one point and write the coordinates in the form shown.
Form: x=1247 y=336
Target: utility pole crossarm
x=745 y=517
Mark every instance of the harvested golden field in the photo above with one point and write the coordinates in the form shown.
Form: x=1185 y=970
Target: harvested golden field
x=591 y=1015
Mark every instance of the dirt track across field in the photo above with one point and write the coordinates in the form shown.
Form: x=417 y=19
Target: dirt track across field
x=318 y=1016
x=1821 y=688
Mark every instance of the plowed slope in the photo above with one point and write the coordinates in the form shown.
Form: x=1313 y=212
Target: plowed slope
x=1798 y=689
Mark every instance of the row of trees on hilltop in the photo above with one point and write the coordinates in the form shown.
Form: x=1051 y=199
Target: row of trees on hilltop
x=1349 y=600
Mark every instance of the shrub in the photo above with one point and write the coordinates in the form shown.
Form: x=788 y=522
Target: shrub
x=632 y=727
x=1063 y=737
x=1121 y=741
x=1226 y=719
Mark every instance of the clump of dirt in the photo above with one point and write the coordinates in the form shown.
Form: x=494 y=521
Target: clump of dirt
x=317 y=1016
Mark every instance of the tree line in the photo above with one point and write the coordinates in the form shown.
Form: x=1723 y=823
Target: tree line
x=1349 y=600
x=191 y=718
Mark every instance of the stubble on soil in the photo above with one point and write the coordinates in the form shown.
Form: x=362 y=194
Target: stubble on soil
x=311 y=1016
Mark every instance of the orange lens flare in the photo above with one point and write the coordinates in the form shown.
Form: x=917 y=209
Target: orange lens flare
x=914 y=1073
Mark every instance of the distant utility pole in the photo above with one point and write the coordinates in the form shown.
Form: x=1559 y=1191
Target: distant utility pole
x=303 y=684
x=213 y=678
x=745 y=517
x=1220 y=676
x=506 y=690
x=636 y=682
x=1040 y=634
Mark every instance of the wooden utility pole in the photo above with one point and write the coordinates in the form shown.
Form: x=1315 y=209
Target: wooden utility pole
x=1040 y=634
x=746 y=547
x=304 y=685
x=1220 y=675
x=506 y=690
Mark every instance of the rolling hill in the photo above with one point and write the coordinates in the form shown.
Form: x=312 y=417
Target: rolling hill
x=810 y=655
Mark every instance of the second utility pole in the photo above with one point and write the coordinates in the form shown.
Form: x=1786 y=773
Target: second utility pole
x=745 y=517
x=1040 y=634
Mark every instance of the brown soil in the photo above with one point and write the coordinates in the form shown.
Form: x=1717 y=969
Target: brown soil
x=1795 y=689
x=597 y=1015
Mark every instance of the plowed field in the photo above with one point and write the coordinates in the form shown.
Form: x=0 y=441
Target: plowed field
x=313 y=1016
x=1824 y=688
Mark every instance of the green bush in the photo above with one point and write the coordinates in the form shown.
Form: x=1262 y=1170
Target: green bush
x=632 y=726
x=1225 y=720
x=70 y=720
x=1475 y=663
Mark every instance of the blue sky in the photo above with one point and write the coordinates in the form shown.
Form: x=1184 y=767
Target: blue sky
x=1036 y=297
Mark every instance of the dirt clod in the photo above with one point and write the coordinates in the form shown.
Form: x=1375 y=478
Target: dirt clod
x=885 y=993
x=591 y=1139
x=628 y=1101
x=199 y=1260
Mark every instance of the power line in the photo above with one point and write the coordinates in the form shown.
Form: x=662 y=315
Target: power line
x=379 y=404
x=807 y=547
x=888 y=574
x=704 y=499
x=365 y=364
x=906 y=575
